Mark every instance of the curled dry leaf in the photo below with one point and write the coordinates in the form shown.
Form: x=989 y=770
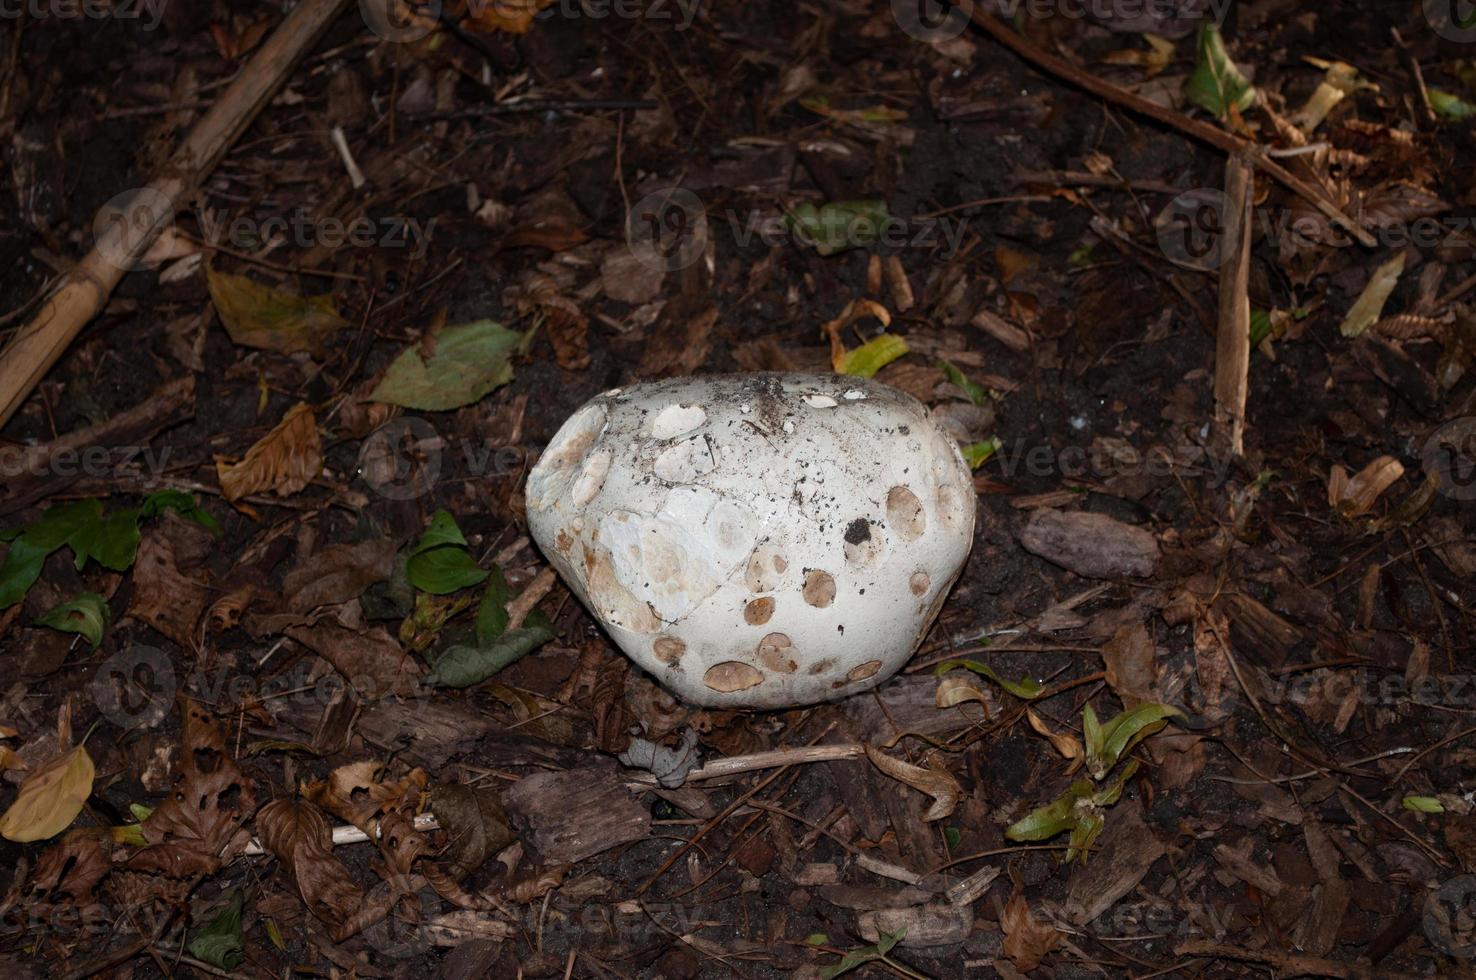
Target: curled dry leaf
x=474 y=821
x=956 y=690
x=198 y=827
x=283 y=461
x=298 y=835
x=359 y=793
x=225 y=613
x=68 y=871
x=1067 y=744
x=1027 y=939
x=50 y=798
x=511 y=16
x=937 y=783
x=1355 y=496
x=526 y=890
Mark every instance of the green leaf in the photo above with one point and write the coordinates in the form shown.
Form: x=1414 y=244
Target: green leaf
x=463 y=364
x=462 y=666
x=1448 y=106
x=1423 y=804
x=1260 y=326
x=440 y=563
x=817 y=939
x=953 y=837
x=1119 y=735
x=1091 y=732
x=1055 y=817
x=1217 y=84
x=840 y=226
x=31 y=545
x=1026 y=688
x=872 y=356
x=492 y=617
x=87 y=614
x=977 y=393
x=110 y=541
x=864 y=955
x=976 y=454
x=182 y=504
x=221 y=943
x=1088 y=828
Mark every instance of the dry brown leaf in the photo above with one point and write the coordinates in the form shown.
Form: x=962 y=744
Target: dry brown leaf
x=1131 y=665
x=297 y=833
x=283 y=461
x=199 y=825
x=1355 y=496
x=533 y=889
x=359 y=794
x=370 y=659
x=69 y=870
x=338 y=573
x=937 y=783
x=1212 y=661
x=163 y=597
x=956 y=690
x=225 y=613
x=1067 y=744
x=1027 y=939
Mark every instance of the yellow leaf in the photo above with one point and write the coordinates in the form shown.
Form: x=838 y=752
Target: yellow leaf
x=511 y=16
x=257 y=315
x=1066 y=744
x=1370 y=305
x=872 y=356
x=50 y=798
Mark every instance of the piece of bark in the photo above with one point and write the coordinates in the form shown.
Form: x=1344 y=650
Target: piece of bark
x=578 y=813
x=928 y=926
x=1129 y=850
x=1091 y=545
x=1263 y=636
x=426 y=731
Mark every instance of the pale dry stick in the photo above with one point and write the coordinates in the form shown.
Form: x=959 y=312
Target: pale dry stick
x=1232 y=346
x=86 y=288
x=1193 y=128
x=519 y=608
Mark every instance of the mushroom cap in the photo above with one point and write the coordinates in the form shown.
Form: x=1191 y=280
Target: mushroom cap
x=759 y=540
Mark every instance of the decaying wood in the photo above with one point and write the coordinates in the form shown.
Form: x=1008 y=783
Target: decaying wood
x=1233 y=349
x=1091 y=545
x=578 y=813
x=86 y=288
x=27 y=473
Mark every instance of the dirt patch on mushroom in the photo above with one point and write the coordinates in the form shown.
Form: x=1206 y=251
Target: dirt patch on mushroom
x=730 y=676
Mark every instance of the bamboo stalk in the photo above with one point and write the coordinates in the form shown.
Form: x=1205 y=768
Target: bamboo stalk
x=84 y=291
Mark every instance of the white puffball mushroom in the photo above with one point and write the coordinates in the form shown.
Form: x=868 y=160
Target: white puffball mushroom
x=764 y=540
